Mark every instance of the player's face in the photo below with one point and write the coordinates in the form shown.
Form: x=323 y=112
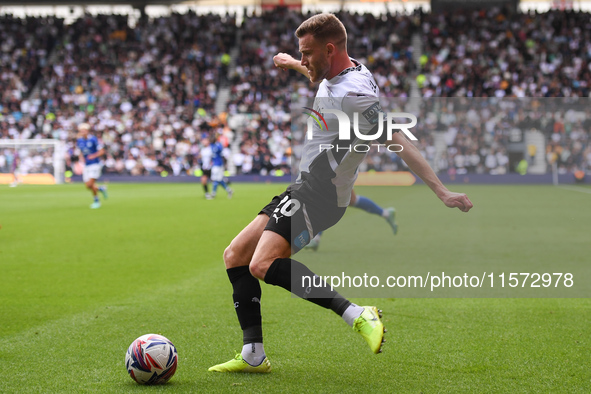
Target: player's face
x=315 y=58
x=83 y=133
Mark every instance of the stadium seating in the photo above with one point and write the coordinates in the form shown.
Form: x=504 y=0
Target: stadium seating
x=150 y=90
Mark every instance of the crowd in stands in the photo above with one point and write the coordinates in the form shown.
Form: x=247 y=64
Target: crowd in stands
x=25 y=46
x=149 y=90
x=382 y=43
x=489 y=53
x=493 y=53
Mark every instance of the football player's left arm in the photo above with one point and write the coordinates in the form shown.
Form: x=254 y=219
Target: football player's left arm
x=417 y=163
x=287 y=62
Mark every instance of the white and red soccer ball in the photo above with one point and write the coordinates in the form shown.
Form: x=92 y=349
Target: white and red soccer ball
x=151 y=359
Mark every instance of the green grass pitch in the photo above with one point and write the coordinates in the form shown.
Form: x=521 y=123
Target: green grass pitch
x=79 y=285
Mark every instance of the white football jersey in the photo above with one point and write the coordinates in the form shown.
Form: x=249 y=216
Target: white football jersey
x=206 y=158
x=354 y=90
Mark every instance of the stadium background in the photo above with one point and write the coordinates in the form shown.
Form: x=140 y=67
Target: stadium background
x=79 y=285
x=153 y=81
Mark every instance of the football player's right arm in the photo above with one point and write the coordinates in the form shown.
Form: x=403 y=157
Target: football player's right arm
x=361 y=103
x=287 y=62
x=417 y=163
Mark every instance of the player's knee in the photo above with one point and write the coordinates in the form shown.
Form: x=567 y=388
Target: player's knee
x=228 y=256
x=232 y=257
x=259 y=269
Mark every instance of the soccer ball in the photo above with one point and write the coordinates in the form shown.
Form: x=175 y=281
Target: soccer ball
x=151 y=359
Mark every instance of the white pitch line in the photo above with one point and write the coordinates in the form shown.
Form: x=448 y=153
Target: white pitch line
x=575 y=188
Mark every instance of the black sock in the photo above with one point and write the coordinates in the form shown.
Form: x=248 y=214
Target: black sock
x=206 y=188
x=247 y=302
x=293 y=276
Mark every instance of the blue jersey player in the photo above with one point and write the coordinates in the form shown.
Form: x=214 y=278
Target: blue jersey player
x=217 y=169
x=90 y=153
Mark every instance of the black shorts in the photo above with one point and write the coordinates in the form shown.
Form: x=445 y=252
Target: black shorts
x=298 y=219
x=207 y=173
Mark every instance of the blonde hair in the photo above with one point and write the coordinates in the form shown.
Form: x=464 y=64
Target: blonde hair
x=325 y=28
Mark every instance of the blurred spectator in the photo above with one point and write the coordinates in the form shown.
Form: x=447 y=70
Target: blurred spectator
x=150 y=91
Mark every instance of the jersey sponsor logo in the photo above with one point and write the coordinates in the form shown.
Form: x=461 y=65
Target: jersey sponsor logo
x=372 y=114
x=302 y=240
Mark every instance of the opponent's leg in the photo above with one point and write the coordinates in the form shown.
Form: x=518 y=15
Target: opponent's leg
x=103 y=190
x=215 y=188
x=315 y=242
x=370 y=206
x=91 y=185
x=226 y=188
